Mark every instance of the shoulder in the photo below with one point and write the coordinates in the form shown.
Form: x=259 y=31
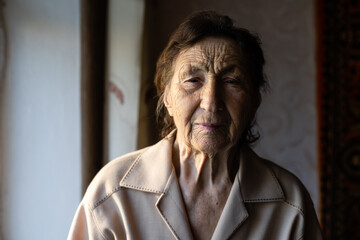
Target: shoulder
x=106 y=182
x=297 y=197
x=295 y=193
x=264 y=180
x=271 y=188
x=109 y=179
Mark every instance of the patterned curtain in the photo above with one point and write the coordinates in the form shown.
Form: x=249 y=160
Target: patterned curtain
x=339 y=116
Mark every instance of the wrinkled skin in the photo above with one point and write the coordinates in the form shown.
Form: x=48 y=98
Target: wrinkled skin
x=211 y=101
x=210 y=96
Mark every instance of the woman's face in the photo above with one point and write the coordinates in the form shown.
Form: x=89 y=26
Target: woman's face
x=210 y=96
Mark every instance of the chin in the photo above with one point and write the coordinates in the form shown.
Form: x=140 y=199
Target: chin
x=211 y=142
x=210 y=146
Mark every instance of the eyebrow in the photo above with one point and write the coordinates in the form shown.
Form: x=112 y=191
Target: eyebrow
x=196 y=68
x=189 y=69
x=232 y=69
x=227 y=69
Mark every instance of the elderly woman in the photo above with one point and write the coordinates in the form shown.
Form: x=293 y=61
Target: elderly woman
x=202 y=181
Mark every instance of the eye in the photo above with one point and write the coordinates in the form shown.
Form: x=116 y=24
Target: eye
x=192 y=83
x=192 y=80
x=233 y=81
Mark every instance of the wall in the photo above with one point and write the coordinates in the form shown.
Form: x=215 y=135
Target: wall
x=40 y=115
x=287 y=117
x=123 y=76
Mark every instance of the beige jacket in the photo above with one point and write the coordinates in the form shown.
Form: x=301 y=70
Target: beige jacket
x=137 y=196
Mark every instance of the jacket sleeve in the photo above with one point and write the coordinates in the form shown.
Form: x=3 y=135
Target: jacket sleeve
x=311 y=228
x=84 y=225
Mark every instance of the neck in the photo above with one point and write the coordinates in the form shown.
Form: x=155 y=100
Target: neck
x=198 y=168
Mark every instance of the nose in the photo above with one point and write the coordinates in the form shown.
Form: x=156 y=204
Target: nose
x=211 y=97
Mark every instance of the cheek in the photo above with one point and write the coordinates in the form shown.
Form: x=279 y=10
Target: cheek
x=184 y=107
x=240 y=112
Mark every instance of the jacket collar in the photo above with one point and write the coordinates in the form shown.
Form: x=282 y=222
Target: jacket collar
x=257 y=180
x=254 y=182
x=151 y=172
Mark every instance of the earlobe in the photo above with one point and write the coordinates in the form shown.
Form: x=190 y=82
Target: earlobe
x=167 y=102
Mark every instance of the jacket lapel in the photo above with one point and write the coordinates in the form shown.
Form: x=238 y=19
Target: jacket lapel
x=233 y=215
x=150 y=172
x=258 y=182
x=254 y=182
x=172 y=210
x=153 y=172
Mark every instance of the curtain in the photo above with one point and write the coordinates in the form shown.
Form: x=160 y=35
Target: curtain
x=339 y=116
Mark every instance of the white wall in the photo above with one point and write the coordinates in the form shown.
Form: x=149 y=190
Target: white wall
x=41 y=119
x=123 y=76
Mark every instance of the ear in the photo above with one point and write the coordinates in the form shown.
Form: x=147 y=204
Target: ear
x=167 y=101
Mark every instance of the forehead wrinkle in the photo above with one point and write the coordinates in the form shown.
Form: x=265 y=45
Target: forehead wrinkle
x=211 y=56
x=219 y=55
x=191 y=62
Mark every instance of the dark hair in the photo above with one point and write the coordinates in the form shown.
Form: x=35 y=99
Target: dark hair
x=196 y=27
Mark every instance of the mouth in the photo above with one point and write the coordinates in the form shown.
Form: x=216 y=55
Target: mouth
x=209 y=126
